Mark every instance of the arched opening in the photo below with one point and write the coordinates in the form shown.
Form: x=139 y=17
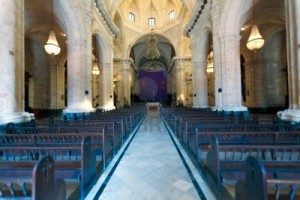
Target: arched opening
x=153 y=78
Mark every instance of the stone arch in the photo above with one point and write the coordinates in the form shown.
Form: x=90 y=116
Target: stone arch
x=122 y=38
x=156 y=34
x=231 y=17
x=104 y=54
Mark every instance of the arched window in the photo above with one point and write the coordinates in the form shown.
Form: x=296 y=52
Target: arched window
x=171 y=15
x=131 y=17
x=151 y=21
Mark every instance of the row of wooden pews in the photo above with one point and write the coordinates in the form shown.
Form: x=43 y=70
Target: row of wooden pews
x=47 y=163
x=78 y=163
x=235 y=137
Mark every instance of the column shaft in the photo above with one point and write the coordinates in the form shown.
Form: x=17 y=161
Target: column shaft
x=231 y=94
x=293 y=41
x=12 y=67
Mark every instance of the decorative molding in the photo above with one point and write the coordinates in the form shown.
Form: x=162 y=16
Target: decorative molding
x=179 y=59
x=200 y=6
x=107 y=18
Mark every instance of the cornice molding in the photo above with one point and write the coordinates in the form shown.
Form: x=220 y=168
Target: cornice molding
x=200 y=6
x=107 y=18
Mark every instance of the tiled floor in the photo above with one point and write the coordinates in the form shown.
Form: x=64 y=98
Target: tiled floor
x=150 y=168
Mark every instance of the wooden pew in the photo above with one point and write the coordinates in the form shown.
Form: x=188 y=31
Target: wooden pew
x=284 y=160
x=201 y=140
x=101 y=142
x=71 y=162
x=257 y=184
x=42 y=181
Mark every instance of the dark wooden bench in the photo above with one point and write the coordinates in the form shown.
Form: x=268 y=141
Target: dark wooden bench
x=257 y=184
x=226 y=162
x=200 y=141
x=39 y=183
x=101 y=142
x=76 y=162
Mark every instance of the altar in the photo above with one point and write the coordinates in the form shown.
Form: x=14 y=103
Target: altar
x=153 y=106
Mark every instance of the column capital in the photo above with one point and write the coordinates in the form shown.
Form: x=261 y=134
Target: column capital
x=176 y=60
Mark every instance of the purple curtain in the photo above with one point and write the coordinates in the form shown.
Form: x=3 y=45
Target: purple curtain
x=153 y=86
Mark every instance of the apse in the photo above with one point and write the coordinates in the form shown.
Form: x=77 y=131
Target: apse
x=153 y=86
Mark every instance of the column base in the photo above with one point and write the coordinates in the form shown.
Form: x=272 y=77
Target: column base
x=233 y=109
x=79 y=109
x=201 y=107
x=236 y=109
x=289 y=115
x=106 y=108
x=15 y=117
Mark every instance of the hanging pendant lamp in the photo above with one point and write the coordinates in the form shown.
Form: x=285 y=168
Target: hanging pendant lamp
x=52 y=47
x=255 y=40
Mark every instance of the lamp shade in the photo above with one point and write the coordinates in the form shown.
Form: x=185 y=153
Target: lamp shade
x=95 y=70
x=52 y=46
x=255 y=40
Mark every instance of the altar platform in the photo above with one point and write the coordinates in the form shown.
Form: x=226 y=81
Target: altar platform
x=153 y=106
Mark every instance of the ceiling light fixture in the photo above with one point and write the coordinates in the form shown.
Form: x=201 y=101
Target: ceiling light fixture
x=52 y=46
x=255 y=40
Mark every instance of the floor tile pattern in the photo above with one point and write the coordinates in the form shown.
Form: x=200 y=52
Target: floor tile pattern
x=151 y=168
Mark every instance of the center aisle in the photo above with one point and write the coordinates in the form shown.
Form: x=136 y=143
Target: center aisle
x=151 y=168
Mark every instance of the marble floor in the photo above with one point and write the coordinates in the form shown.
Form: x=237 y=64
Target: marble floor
x=151 y=166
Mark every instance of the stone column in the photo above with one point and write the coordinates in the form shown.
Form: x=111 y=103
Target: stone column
x=180 y=86
x=217 y=54
x=80 y=70
x=182 y=65
x=88 y=15
x=125 y=82
x=106 y=98
x=200 y=85
x=231 y=94
x=12 y=63
x=293 y=41
x=199 y=51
